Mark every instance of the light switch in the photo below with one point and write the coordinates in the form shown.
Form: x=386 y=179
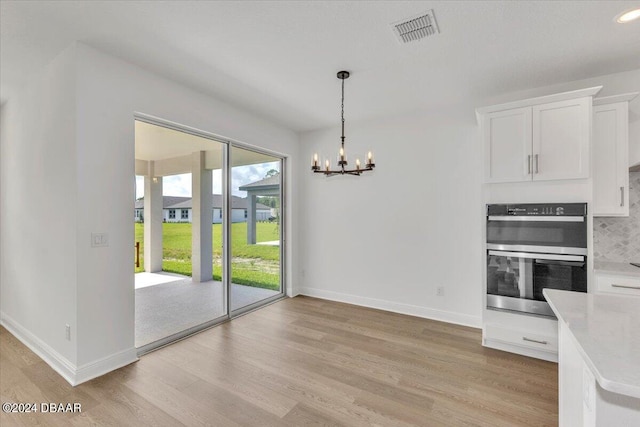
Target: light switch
x=99 y=240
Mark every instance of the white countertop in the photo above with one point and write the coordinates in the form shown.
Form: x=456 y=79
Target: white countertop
x=609 y=267
x=606 y=329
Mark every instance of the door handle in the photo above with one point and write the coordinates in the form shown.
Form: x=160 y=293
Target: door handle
x=530 y=255
x=613 y=285
x=529 y=164
x=621 y=196
x=535 y=341
x=536 y=157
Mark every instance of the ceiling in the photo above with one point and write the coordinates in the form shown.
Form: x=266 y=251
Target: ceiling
x=279 y=59
x=159 y=143
x=154 y=143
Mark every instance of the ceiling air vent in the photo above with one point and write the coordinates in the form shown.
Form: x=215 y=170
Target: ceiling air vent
x=416 y=28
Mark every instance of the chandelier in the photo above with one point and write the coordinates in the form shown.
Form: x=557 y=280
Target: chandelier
x=342 y=155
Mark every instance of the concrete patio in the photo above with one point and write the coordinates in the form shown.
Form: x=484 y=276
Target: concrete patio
x=169 y=303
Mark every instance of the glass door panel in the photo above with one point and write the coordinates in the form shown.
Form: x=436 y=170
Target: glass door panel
x=179 y=198
x=515 y=280
x=255 y=229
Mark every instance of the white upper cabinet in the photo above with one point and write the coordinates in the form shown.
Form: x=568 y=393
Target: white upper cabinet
x=561 y=139
x=611 y=155
x=507 y=136
x=539 y=139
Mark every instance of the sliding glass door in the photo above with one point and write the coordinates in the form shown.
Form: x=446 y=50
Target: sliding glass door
x=255 y=228
x=209 y=227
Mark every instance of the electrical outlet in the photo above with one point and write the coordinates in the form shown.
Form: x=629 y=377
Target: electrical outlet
x=440 y=291
x=67 y=332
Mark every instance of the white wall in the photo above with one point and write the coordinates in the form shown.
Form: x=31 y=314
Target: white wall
x=38 y=243
x=68 y=140
x=263 y=214
x=389 y=238
x=110 y=91
x=237 y=215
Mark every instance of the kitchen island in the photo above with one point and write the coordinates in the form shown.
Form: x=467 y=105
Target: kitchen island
x=599 y=358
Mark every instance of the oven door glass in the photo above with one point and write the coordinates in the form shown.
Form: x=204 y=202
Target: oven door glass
x=523 y=231
x=515 y=280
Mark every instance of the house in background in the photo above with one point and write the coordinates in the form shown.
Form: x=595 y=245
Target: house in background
x=269 y=187
x=178 y=209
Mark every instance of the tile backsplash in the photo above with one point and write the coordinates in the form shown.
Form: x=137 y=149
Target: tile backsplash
x=618 y=239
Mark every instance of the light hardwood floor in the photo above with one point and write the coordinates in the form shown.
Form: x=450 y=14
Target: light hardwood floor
x=301 y=361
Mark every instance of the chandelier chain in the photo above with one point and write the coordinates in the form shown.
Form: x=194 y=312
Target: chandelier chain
x=342 y=113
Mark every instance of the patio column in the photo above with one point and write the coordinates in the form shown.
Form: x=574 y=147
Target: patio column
x=152 y=222
x=251 y=219
x=202 y=204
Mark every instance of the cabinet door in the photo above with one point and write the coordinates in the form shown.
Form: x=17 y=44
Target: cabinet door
x=610 y=158
x=561 y=136
x=507 y=145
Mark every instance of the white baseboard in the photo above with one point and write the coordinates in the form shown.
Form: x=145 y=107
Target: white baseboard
x=58 y=363
x=67 y=370
x=105 y=365
x=396 y=307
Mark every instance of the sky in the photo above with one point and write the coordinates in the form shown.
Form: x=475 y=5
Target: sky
x=180 y=185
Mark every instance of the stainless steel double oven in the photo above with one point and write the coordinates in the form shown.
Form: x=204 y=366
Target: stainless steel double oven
x=531 y=247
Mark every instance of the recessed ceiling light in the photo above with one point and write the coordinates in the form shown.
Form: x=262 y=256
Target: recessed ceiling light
x=628 y=16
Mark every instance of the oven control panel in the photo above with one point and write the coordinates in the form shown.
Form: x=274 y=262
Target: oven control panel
x=539 y=209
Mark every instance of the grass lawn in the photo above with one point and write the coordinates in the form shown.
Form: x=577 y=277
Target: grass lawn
x=253 y=265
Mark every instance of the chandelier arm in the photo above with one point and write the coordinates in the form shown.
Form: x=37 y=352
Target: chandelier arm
x=343 y=171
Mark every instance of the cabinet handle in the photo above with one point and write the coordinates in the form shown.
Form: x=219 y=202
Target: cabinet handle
x=529 y=163
x=621 y=196
x=536 y=157
x=613 y=285
x=535 y=341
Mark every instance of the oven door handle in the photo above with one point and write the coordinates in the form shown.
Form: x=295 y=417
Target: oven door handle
x=551 y=257
x=545 y=218
x=555 y=262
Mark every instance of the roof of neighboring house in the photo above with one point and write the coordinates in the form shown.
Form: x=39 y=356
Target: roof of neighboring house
x=167 y=201
x=175 y=202
x=180 y=204
x=269 y=182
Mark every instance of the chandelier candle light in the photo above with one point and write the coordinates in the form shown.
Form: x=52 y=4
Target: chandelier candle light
x=342 y=155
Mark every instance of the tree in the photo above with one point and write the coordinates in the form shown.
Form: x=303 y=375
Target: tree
x=270 y=173
x=267 y=201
